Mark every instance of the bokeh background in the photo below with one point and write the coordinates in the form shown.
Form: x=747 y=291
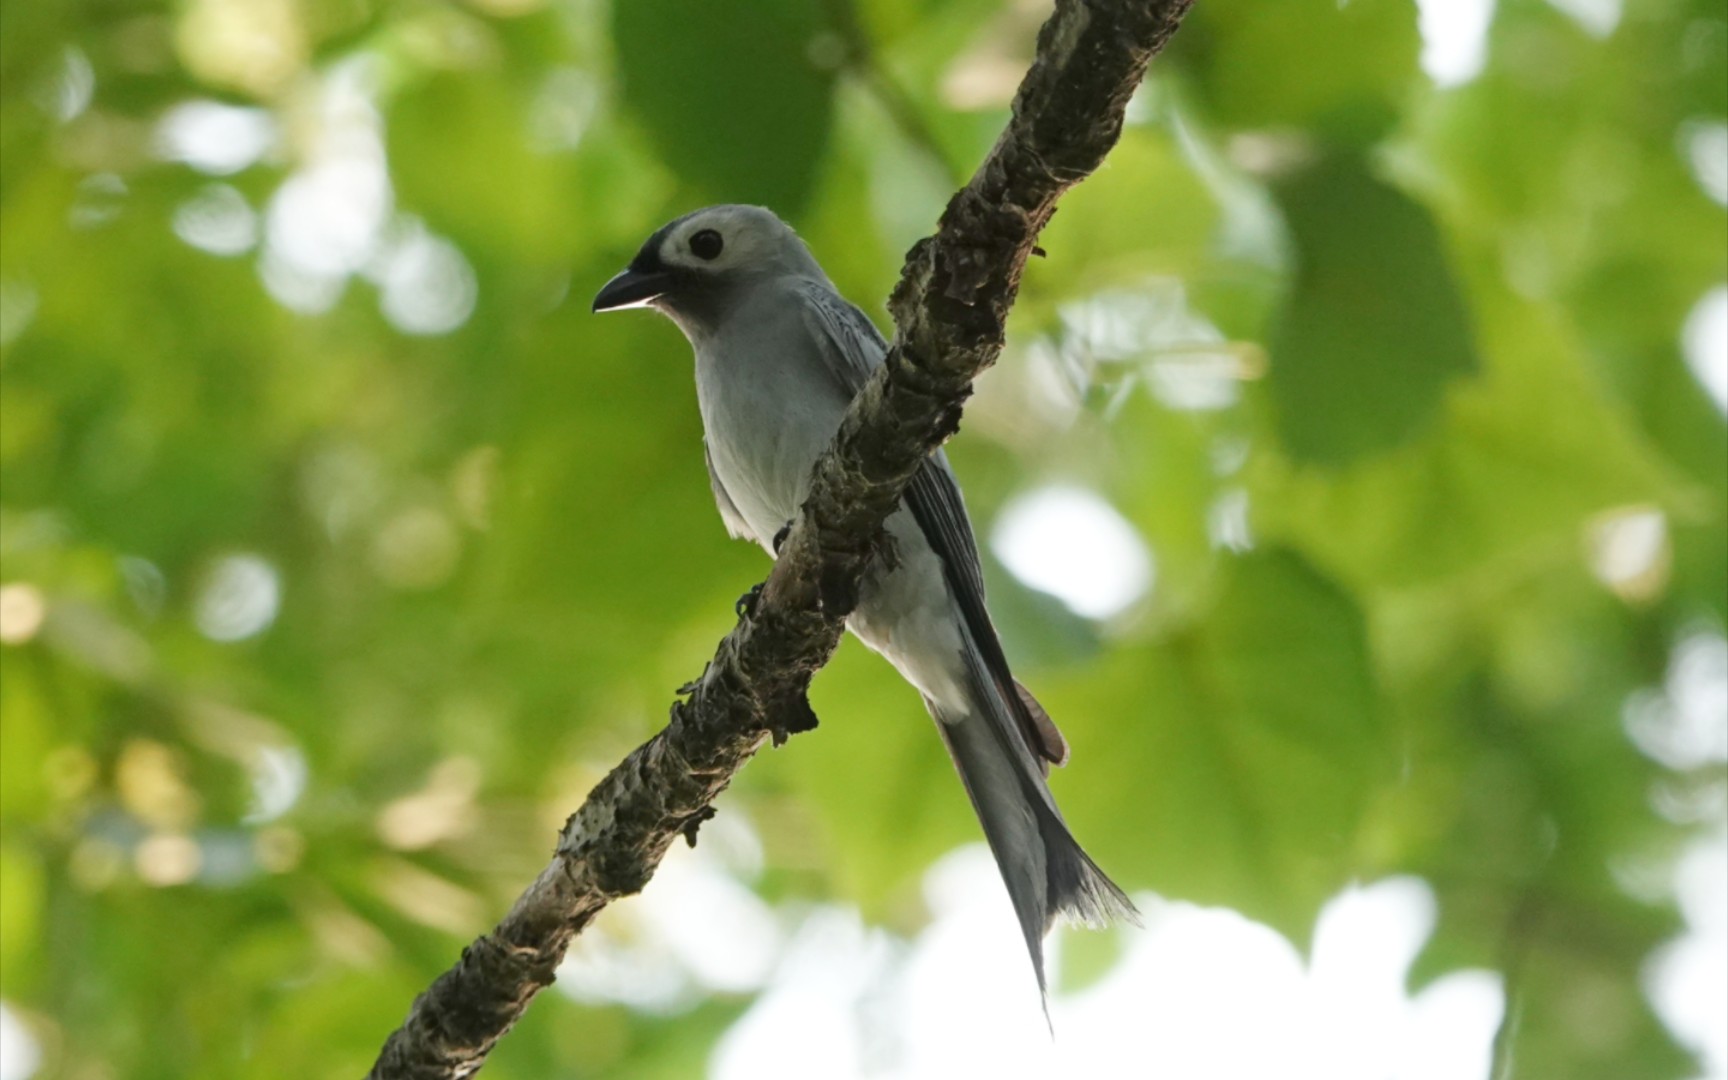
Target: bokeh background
x=1352 y=490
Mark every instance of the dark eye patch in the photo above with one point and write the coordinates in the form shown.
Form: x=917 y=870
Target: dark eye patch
x=706 y=244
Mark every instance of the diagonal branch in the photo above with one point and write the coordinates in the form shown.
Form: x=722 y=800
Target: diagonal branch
x=949 y=311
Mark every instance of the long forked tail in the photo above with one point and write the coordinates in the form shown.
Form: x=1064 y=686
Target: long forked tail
x=1047 y=873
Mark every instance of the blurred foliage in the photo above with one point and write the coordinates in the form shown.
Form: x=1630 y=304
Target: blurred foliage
x=343 y=550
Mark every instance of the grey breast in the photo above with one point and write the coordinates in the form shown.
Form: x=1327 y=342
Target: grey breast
x=769 y=406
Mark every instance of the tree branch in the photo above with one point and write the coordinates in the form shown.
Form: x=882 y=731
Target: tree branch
x=949 y=310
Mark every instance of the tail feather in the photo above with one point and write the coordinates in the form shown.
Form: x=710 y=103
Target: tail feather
x=1047 y=873
x=1083 y=894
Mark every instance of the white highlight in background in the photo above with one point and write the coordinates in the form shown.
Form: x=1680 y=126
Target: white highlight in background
x=70 y=91
x=1227 y=521
x=696 y=928
x=815 y=1019
x=278 y=775
x=326 y=220
x=1704 y=145
x=1629 y=551
x=217 y=220
x=1598 y=17
x=215 y=138
x=426 y=286
x=1178 y=1004
x=1687 y=980
x=239 y=598
x=1454 y=38
x=20 y=1055
x=1704 y=340
x=1684 y=725
x=1153 y=331
x=1070 y=543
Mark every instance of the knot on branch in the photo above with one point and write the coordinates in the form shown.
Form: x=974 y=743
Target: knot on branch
x=532 y=966
x=991 y=237
x=914 y=280
x=693 y=823
x=792 y=715
x=616 y=873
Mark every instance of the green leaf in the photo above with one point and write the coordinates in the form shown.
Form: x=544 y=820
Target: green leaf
x=1373 y=327
x=729 y=94
x=1520 y=461
x=457 y=192
x=1340 y=69
x=1231 y=763
x=880 y=833
x=22 y=890
x=1148 y=213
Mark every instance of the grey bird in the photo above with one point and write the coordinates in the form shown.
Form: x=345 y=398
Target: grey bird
x=779 y=356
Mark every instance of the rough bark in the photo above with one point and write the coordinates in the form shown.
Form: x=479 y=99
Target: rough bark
x=949 y=310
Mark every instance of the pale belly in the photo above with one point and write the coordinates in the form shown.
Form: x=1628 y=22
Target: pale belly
x=907 y=615
x=910 y=618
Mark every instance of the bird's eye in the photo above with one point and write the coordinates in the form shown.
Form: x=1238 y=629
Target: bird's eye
x=706 y=244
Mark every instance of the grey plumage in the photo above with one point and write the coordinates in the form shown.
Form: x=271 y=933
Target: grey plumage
x=779 y=356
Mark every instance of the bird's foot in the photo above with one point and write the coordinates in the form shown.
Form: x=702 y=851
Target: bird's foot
x=884 y=551
x=746 y=606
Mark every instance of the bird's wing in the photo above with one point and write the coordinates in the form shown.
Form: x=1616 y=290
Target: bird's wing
x=735 y=525
x=853 y=348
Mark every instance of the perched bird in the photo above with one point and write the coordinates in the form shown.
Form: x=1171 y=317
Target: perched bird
x=779 y=357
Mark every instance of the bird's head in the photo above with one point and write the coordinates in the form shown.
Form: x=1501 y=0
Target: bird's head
x=691 y=267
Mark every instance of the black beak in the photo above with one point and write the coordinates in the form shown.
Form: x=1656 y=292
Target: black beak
x=632 y=288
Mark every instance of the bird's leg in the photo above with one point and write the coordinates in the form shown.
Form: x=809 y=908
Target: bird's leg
x=780 y=538
x=746 y=606
x=884 y=552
